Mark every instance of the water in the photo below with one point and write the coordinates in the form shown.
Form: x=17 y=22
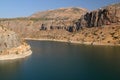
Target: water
x=64 y=61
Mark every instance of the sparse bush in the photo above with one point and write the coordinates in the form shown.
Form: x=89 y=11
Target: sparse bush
x=17 y=52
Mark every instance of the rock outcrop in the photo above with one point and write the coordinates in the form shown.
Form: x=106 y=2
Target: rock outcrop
x=8 y=39
x=102 y=16
x=11 y=46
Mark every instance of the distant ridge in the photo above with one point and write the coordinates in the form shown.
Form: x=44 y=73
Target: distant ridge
x=61 y=13
x=112 y=5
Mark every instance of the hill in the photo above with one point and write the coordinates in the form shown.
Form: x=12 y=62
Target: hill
x=101 y=26
x=62 y=13
x=58 y=17
x=98 y=27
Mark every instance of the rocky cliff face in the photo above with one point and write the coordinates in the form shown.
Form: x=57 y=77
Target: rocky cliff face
x=102 y=16
x=11 y=46
x=8 y=39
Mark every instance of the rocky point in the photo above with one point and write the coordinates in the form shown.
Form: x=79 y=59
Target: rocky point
x=12 y=46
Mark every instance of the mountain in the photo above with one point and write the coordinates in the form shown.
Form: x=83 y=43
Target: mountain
x=62 y=13
x=101 y=26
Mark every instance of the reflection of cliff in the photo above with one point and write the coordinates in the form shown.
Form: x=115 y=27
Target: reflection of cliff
x=8 y=69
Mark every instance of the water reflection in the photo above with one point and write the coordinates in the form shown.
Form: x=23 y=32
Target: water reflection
x=9 y=69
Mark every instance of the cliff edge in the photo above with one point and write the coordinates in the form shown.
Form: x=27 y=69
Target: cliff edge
x=11 y=46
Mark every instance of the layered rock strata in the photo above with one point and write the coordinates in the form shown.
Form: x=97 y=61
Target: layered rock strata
x=100 y=17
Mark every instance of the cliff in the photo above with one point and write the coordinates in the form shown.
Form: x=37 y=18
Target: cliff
x=103 y=16
x=11 y=46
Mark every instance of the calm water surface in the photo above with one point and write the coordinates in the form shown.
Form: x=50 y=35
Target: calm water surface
x=64 y=61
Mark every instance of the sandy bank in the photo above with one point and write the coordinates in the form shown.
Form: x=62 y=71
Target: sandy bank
x=75 y=42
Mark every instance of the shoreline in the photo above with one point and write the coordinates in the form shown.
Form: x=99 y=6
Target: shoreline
x=14 y=56
x=74 y=42
x=21 y=53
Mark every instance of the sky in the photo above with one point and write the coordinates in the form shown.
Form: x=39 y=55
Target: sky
x=24 y=8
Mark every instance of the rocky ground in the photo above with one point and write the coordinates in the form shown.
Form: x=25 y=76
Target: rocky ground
x=103 y=16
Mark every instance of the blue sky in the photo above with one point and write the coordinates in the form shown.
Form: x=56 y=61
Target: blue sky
x=23 y=8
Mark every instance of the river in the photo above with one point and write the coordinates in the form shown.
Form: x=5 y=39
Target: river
x=64 y=61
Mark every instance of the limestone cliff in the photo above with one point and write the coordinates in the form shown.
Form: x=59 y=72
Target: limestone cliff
x=8 y=39
x=11 y=46
x=102 y=16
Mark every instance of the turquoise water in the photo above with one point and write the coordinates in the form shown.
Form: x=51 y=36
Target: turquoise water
x=64 y=61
